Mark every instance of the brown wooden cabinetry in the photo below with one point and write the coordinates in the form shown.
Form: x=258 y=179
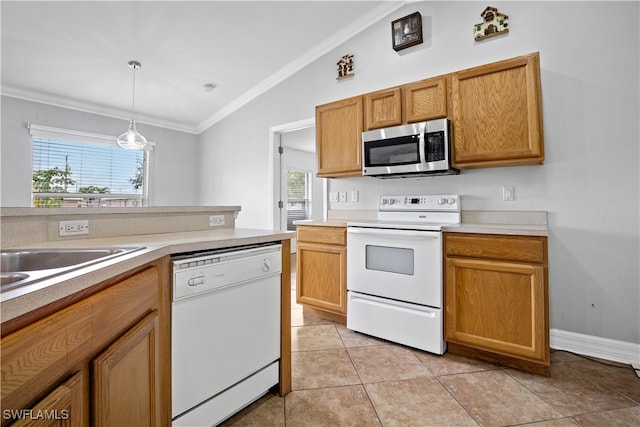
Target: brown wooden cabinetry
x=425 y=100
x=496 y=299
x=113 y=342
x=495 y=109
x=339 y=138
x=383 y=108
x=497 y=114
x=321 y=271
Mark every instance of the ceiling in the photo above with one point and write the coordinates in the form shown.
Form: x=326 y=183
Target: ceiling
x=74 y=54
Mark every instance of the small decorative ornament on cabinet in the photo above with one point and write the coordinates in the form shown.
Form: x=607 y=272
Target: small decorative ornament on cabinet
x=345 y=67
x=493 y=24
x=406 y=31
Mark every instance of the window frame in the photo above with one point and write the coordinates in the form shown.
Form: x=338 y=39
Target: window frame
x=79 y=137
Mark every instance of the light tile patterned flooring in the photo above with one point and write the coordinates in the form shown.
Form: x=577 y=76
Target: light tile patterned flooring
x=343 y=378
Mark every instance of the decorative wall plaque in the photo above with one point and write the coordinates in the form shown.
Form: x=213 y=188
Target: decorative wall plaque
x=406 y=31
x=345 y=67
x=493 y=23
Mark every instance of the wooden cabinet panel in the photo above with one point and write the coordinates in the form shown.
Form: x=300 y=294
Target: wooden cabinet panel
x=509 y=248
x=126 y=379
x=497 y=114
x=496 y=306
x=339 y=138
x=425 y=100
x=497 y=299
x=321 y=280
x=383 y=108
x=326 y=235
x=63 y=407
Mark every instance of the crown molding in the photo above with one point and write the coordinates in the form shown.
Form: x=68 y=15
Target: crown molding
x=87 y=107
x=311 y=55
x=288 y=70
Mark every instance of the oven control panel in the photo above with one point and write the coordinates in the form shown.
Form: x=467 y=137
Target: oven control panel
x=417 y=202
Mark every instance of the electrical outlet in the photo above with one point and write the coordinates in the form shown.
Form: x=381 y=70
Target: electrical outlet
x=508 y=193
x=216 y=220
x=333 y=196
x=73 y=228
x=342 y=196
x=354 y=195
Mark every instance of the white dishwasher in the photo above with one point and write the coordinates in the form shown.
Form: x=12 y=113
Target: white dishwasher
x=225 y=332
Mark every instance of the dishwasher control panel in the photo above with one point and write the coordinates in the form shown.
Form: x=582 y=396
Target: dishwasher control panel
x=210 y=272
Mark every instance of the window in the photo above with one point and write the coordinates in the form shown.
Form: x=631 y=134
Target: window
x=298 y=197
x=85 y=170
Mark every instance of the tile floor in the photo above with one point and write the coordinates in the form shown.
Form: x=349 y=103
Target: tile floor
x=343 y=378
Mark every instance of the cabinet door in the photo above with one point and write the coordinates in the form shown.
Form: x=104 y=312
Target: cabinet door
x=425 y=100
x=321 y=280
x=126 y=384
x=496 y=306
x=339 y=138
x=63 y=407
x=497 y=117
x=383 y=108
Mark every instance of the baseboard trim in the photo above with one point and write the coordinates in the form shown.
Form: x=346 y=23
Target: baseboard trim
x=602 y=348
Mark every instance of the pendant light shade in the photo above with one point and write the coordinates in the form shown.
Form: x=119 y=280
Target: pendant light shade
x=131 y=139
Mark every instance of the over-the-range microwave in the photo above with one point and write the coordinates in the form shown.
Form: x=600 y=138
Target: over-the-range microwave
x=408 y=151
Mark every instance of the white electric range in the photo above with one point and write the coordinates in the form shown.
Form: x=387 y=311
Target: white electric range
x=395 y=273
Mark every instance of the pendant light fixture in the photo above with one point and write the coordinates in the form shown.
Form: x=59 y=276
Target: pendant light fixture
x=131 y=139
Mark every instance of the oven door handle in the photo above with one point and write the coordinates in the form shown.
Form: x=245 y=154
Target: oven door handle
x=395 y=233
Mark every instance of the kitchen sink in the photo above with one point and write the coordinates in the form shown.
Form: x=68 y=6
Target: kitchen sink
x=24 y=266
x=9 y=278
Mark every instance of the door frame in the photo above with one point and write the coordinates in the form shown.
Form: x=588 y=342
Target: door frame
x=275 y=166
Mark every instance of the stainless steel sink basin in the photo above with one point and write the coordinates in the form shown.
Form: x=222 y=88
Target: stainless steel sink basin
x=23 y=266
x=9 y=278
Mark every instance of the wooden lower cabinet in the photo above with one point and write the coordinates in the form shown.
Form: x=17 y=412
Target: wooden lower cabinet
x=126 y=382
x=104 y=358
x=62 y=407
x=321 y=270
x=496 y=299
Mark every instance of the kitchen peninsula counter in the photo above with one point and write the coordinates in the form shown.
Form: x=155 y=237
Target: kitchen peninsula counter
x=16 y=302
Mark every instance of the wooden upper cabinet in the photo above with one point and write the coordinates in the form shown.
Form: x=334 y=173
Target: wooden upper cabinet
x=497 y=114
x=425 y=100
x=339 y=138
x=383 y=108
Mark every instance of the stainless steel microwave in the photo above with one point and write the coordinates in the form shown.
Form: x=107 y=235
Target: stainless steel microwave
x=408 y=151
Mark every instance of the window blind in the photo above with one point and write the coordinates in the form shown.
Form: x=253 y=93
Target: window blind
x=85 y=170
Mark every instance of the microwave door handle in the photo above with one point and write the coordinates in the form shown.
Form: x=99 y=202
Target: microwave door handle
x=422 y=144
x=380 y=232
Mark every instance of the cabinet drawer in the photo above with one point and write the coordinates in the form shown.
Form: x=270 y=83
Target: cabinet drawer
x=322 y=234
x=499 y=247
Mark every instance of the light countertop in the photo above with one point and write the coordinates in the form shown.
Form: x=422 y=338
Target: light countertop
x=524 y=223
x=16 y=302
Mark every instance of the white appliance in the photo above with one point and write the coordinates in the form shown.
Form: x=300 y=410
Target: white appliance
x=394 y=270
x=225 y=333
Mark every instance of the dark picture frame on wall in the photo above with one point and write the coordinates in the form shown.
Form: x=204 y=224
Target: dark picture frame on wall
x=406 y=31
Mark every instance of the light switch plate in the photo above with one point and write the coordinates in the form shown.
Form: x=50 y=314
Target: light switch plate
x=343 y=196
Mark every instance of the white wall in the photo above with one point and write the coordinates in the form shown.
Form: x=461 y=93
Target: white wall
x=589 y=183
x=173 y=178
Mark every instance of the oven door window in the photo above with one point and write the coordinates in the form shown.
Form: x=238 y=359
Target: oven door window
x=389 y=259
x=403 y=150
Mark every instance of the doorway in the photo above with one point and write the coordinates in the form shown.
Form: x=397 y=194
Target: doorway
x=297 y=192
